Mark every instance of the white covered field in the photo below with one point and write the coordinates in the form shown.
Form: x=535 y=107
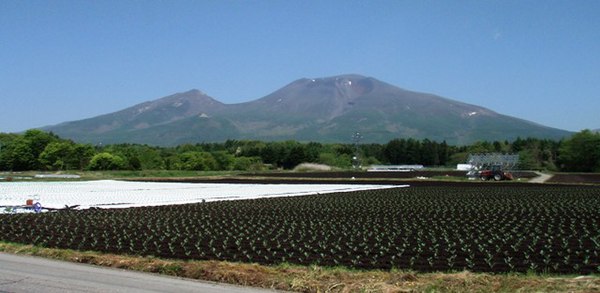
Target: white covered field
x=123 y=194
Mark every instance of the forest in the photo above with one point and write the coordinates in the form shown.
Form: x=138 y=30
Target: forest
x=44 y=151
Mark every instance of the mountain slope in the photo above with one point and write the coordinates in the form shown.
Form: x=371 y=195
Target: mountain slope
x=115 y=127
x=324 y=109
x=332 y=109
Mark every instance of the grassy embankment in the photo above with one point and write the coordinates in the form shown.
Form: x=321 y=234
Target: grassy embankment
x=320 y=279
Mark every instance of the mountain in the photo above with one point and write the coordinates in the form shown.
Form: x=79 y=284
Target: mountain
x=115 y=127
x=324 y=109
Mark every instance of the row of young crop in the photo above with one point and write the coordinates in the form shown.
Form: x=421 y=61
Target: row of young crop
x=480 y=228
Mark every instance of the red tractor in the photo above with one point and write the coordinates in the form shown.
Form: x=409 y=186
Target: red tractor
x=495 y=173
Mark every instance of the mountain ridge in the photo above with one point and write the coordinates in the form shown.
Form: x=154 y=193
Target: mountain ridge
x=149 y=113
x=328 y=109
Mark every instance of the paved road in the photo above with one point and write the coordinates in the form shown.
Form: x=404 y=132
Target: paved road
x=33 y=274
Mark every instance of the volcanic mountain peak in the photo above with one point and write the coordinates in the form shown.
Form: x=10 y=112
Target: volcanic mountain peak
x=347 y=87
x=330 y=97
x=145 y=115
x=308 y=109
x=189 y=103
x=164 y=110
x=315 y=98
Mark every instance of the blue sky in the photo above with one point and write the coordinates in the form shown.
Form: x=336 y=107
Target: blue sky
x=69 y=60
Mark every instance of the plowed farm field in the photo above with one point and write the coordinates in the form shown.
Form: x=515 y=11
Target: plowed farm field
x=472 y=226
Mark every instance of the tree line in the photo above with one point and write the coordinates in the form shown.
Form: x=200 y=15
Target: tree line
x=45 y=151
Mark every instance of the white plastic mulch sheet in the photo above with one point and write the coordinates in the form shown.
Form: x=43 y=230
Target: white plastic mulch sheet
x=123 y=194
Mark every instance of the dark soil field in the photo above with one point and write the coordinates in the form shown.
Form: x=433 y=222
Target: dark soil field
x=593 y=178
x=435 y=226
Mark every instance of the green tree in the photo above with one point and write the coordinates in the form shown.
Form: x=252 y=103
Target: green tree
x=83 y=153
x=458 y=158
x=481 y=147
x=224 y=160
x=59 y=155
x=312 y=151
x=134 y=163
x=197 y=161
x=17 y=155
x=528 y=160
x=107 y=161
x=21 y=152
x=372 y=153
x=444 y=153
x=273 y=153
x=247 y=164
x=336 y=160
x=245 y=148
x=430 y=154
x=295 y=155
x=581 y=152
x=38 y=140
x=151 y=159
x=395 y=151
x=414 y=151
